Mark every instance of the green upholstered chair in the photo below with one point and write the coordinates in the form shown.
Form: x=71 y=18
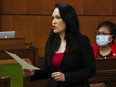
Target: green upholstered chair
x=13 y=70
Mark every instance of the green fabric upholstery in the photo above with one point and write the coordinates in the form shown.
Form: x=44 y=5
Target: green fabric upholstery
x=15 y=73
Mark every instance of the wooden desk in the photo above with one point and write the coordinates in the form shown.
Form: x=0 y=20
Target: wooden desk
x=4 y=81
x=106 y=72
x=23 y=53
x=105 y=75
x=12 y=43
x=19 y=47
x=105 y=64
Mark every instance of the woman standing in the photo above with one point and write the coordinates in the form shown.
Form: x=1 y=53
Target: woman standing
x=69 y=59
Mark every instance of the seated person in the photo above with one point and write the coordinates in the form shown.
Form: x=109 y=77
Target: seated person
x=105 y=46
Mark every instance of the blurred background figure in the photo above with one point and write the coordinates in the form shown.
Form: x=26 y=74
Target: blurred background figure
x=105 y=46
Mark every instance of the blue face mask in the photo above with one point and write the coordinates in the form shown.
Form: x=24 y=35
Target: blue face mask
x=102 y=40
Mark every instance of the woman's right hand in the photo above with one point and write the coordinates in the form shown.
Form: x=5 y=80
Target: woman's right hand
x=28 y=72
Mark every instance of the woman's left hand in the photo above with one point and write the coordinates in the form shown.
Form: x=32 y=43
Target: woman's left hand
x=58 y=76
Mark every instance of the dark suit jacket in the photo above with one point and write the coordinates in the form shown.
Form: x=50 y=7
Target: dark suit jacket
x=78 y=66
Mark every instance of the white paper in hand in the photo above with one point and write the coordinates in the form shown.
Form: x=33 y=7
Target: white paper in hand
x=24 y=64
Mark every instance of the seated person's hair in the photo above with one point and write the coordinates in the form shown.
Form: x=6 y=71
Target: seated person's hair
x=111 y=26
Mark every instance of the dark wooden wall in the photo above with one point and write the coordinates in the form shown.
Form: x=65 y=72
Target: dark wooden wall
x=32 y=18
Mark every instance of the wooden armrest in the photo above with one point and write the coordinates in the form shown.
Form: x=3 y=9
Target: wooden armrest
x=97 y=85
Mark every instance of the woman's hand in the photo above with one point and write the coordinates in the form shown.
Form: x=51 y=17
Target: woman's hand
x=28 y=72
x=58 y=76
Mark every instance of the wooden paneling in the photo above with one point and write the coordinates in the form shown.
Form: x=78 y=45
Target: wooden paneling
x=13 y=6
x=88 y=24
x=96 y=7
x=113 y=84
x=40 y=6
x=26 y=6
x=32 y=18
x=37 y=28
x=6 y=22
x=114 y=7
x=83 y=7
x=34 y=28
x=77 y=4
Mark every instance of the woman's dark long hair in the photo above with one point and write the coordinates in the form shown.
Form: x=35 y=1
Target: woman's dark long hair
x=72 y=33
x=111 y=26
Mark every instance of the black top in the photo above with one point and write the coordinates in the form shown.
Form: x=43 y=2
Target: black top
x=78 y=66
x=106 y=56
